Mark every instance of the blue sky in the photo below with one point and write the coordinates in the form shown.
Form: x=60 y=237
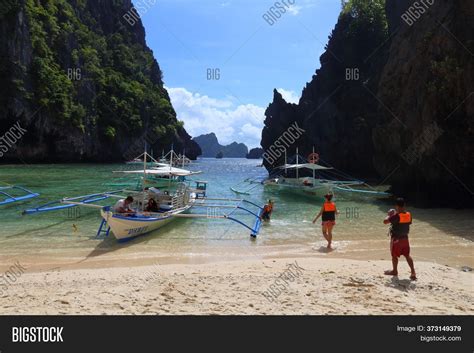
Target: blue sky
x=189 y=37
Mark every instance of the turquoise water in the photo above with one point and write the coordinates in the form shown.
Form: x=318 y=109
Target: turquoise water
x=68 y=237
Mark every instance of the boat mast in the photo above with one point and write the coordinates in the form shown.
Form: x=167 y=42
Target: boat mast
x=144 y=176
x=184 y=156
x=314 y=170
x=286 y=163
x=171 y=157
x=171 y=165
x=297 y=163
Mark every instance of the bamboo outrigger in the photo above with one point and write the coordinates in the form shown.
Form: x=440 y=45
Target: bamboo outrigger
x=11 y=194
x=178 y=205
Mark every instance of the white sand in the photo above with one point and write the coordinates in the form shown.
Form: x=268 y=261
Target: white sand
x=325 y=286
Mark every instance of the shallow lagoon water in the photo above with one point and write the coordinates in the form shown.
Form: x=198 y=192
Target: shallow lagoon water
x=67 y=238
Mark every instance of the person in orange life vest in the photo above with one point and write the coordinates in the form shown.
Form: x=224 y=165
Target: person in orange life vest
x=400 y=221
x=267 y=211
x=328 y=213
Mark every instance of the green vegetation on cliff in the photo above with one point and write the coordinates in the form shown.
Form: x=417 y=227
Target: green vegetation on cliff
x=366 y=16
x=81 y=75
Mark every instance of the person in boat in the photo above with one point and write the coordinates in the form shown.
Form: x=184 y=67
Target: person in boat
x=328 y=213
x=267 y=211
x=152 y=206
x=123 y=206
x=400 y=222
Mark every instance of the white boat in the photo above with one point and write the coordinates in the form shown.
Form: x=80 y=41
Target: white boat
x=311 y=178
x=175 y=159
x=171 y=206
x=160 y=177
x=150 y=161
x=125 y=227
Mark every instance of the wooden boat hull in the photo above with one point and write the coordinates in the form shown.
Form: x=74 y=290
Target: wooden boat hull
x=125 y=228
x=291 y=187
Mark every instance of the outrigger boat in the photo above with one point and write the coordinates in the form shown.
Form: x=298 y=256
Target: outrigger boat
x=151 y=162
x=159 y=177
x=171 y=204
x=157 y=174
x=11 y=194
x=175 y=159
x=321 y=181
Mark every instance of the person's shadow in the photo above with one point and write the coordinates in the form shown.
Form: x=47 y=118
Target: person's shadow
x=325 y=250
x=403 y=285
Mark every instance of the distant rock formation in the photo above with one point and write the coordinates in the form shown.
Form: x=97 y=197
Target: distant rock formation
x=210 y=147
x=255 y=153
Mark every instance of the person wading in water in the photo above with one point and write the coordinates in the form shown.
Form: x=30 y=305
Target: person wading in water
x=399 y=245
x=328 y=213
x=267 y=211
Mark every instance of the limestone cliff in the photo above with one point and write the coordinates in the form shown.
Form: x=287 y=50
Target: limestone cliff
x=82 y=82
x=393 y=101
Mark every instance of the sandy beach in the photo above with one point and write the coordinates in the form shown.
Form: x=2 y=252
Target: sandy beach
x=299 y=286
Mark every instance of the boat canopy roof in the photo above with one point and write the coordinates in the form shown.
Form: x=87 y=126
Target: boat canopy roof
x=161 y=165
x=310 y=166
x=163 y=171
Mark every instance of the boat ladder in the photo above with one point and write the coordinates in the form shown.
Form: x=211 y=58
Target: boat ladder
x=104 y=229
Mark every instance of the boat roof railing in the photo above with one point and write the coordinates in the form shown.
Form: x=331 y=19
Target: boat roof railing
x=310 y=166
x=161 y=171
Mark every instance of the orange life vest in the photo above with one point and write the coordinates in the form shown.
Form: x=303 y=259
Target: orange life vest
x=401 y=229
x=405 y=217
x=268 y=208
x=329 y=206
x=329 y=211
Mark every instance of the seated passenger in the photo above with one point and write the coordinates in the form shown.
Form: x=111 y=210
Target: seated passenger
x=123 y=206
x=152 y=206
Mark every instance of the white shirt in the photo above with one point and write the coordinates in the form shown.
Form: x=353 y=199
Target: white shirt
x=121 y=205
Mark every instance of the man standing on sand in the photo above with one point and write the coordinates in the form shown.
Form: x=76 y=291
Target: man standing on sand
x=399 y=245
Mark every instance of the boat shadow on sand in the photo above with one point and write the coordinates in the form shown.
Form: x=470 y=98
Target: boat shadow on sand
x=110 y=244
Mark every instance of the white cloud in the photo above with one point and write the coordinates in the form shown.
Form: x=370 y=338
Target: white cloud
x=289 y=96
x=229 y=121
x=295 y=10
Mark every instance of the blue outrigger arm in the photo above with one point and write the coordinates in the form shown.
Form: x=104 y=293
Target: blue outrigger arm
x=256 y=227
x=254 y=230
x=258 y=223
x=11 y=199
x=82 y=200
